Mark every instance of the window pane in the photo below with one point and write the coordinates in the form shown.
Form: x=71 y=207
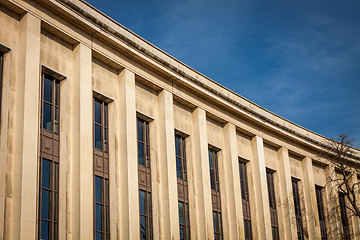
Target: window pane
x=177 y=146
x=141 y=153
x=178 y=168
x=149 y=203
x=47 y=123
x=45 y=204
x=98 y=217
x=142 y=201
x=56 y=185
x=47 y=90
x=56 y=207
x=98 y=236
x=57 y=93
x=140 y=131
x=210 y=160
x=45 y=231
x=181 y=213
x=98 y=188
x=106 y=191
x=106 y=145
x=212 y=179
x=97 y=111
x=105 y=114
x=214 y=221
x=56 y=121
x=142 y=227
x=45 y=177
x=98 y=140
x=147 y=156
x=182 y=231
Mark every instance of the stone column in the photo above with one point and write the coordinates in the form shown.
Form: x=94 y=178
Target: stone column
x=168 y=199
x=258 y=170
x=24 y=205
x=312 y=216
x=231 y=201
x=286 y=196
x=203 y=226
x=80 y=177
x=126 y=159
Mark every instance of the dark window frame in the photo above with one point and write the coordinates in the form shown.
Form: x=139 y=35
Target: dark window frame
x=272 y=205
x=144 y=173
x=182 y=184
x=245 y=199
x=321 y=212
x=297 y=207
x=344 y=216
x=101 y=172
x=215 y=193
x=49 y=156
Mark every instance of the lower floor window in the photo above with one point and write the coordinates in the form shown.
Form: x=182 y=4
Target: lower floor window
x=218 y=233
x=102 y=220
x=184 y=221
x=145 y=215
x=49 y=199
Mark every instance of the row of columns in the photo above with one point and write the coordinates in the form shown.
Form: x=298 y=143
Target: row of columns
x=76 y=203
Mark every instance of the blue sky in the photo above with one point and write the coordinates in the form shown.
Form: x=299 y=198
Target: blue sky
x=298 y=59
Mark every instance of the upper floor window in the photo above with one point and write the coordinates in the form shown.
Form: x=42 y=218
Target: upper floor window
x=245 y=200
x=344 y=217
x=183 y=203
x=143 y=143
x=215 y=194
x=101 y=125
x=101 y=171
x=272 y=203
x=144 y=173
x=321 y=212
x=214 y=175
x=49 y=159
x=50 y=104
x=180 y=157
x=299 y=225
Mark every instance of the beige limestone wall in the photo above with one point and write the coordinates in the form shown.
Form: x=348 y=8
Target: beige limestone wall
x=93 y=65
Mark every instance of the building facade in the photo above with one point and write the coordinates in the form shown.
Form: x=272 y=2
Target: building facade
x=105 y=136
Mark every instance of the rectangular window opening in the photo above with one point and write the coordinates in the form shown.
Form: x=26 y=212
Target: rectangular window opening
x=321 y=212
x=101 y=171
x=272 y=204
x=245 y=200
x=297 y=206
x=49 y=159
x=182 y=184
x=144 y=173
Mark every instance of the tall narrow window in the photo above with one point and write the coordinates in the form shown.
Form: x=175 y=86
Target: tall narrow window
x=49 y=159
x=245 y=200
x=272 y=203
x=215 y=194
x=101 y=171
x=1 y=73
x=144 y=179
x=184 y=219
x=320 y=206
x=299 y=225
x=344 y=217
